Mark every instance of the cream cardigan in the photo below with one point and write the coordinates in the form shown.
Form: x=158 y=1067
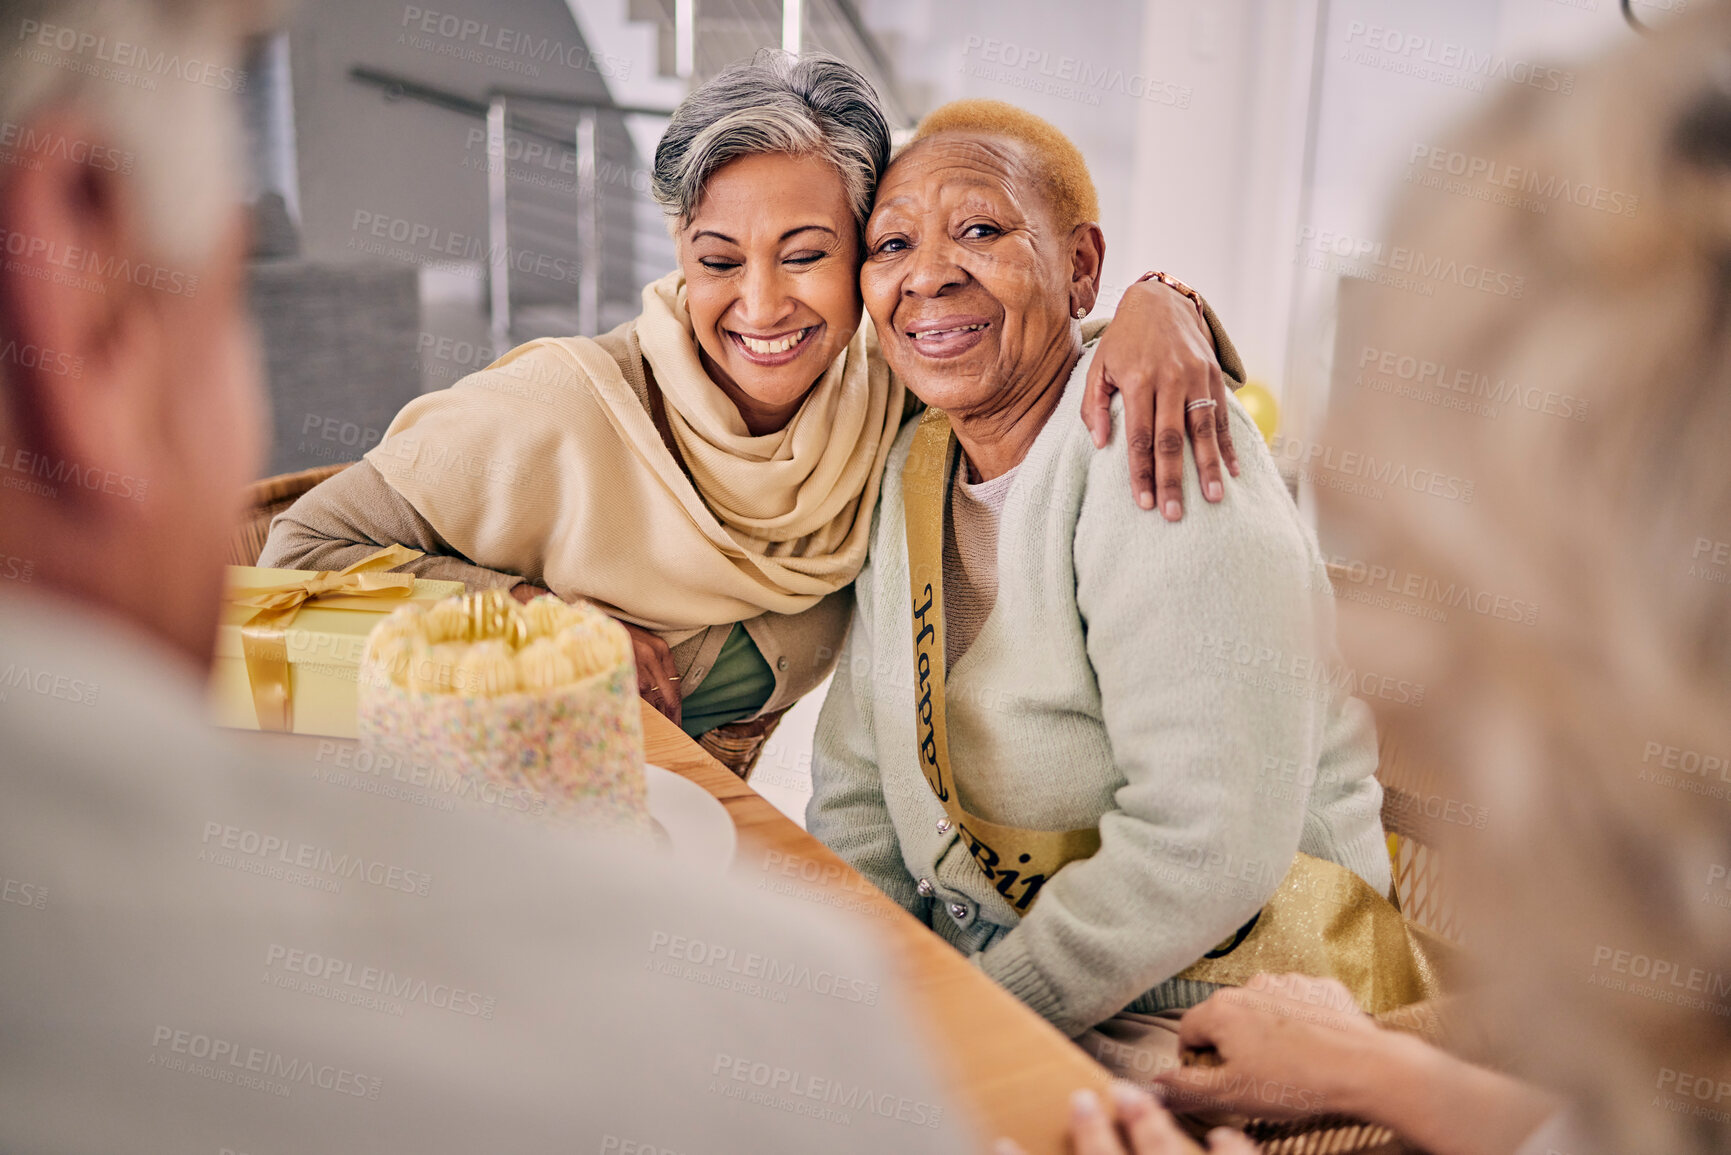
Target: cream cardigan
x=1106 y=688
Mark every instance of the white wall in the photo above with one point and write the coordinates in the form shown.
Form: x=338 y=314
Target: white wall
x=1076 y=67
x=1216 y=185
x=1268 y=129
x=1294 y=128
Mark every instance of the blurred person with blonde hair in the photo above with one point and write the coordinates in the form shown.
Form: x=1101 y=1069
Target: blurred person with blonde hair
x=1596 y=965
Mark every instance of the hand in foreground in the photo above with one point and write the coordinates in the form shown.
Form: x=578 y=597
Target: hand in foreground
x=1288 y=1045
x=1281 y=1046
x=657 y=680
x=1141 y=1127
x=1160 y=355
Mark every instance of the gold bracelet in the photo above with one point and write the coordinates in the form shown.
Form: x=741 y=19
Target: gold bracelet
x=1174 y=283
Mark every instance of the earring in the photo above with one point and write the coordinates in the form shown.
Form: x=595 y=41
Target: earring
x=1080 y=312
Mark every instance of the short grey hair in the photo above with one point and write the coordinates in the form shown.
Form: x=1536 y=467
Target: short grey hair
x=175 y=111
x=813 y=105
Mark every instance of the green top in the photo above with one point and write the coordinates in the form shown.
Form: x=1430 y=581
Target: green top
x=737 y=687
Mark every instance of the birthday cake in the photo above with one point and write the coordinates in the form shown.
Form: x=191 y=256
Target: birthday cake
x=540 y=698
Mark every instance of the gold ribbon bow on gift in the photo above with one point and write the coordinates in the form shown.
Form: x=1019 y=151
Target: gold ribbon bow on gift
x=264 y=636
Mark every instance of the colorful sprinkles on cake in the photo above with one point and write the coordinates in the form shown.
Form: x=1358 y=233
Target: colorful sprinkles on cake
x=540 y=697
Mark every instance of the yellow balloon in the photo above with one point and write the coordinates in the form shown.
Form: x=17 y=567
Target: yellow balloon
x=1262 y=407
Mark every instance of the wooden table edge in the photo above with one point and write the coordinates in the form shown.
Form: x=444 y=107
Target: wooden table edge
x=1011 y=1067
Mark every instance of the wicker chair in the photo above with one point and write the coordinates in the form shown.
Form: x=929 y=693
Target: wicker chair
x=1423 y=898
x=737 y=746
x=264 y=500
x=1411 y=834
x=1419 y=885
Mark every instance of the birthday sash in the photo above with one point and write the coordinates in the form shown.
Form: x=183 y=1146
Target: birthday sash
x=1323 y=920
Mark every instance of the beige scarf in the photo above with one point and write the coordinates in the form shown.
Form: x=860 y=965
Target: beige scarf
x=548 y=463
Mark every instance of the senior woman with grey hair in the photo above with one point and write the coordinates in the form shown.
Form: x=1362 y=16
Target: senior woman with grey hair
x=707 y=471
x=1068 y=773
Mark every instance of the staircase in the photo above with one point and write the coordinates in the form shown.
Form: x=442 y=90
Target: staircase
x=724 y=32
x=573 y=232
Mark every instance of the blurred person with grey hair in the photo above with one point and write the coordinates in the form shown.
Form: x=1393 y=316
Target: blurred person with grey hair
x=1594 y=1007
x=707 y=472
x=206 y=950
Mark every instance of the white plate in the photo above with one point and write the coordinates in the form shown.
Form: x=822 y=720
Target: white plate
x=699 y=829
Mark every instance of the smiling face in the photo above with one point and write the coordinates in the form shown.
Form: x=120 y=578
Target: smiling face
x=968 y=279
x=771 y=260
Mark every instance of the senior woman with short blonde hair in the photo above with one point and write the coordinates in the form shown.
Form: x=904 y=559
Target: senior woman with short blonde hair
x=1066 y=773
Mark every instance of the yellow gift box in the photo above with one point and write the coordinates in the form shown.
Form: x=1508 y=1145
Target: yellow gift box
x=290 y=643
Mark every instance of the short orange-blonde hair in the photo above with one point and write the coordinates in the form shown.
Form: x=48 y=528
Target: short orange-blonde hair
x=1069 y=185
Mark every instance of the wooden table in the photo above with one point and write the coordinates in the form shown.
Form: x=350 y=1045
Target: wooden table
x=1011 y=1066
x=1004 y=1062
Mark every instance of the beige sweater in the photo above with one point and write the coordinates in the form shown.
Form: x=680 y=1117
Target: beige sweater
x=357 y=512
